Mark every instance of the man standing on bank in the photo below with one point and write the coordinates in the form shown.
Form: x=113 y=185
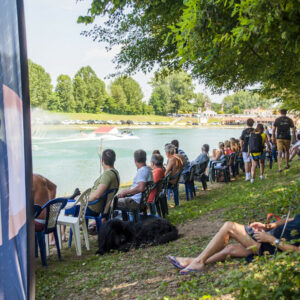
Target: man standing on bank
x=282 y=127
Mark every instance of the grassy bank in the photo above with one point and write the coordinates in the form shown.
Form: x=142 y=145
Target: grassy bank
x=107 y=117
x=146 y=274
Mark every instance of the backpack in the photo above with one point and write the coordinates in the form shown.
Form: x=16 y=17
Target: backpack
x=255 y=143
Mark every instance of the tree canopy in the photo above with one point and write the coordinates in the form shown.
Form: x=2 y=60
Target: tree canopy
x=228 y=45
x=39 y=85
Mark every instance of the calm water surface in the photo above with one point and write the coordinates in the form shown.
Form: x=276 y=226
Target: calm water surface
x=70 y=158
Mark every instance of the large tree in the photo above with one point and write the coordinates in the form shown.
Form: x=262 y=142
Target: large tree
x=226 y=44
x=173 y=93
x=92 y=90
x=64 y=92
x=39 y=85
x=126 y=88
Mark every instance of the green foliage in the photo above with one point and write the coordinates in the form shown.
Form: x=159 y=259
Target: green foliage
x=228 y=45
x=267 y=278
x=173 y=93
x=91 y=90
x=242 y=100
x=64 y=92
x=127 y=96
x=39 y=85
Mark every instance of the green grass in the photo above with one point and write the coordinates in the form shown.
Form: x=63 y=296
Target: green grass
x=107 y=117
x=145 y=273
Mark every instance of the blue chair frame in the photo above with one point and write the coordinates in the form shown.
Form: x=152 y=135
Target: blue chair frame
x=173 y=187
x=40 y=236
x=90 y=215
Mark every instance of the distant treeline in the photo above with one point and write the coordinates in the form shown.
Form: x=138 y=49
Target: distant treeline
x=172 y=93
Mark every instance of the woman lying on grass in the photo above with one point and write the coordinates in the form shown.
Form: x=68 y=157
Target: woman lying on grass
x=256 y=239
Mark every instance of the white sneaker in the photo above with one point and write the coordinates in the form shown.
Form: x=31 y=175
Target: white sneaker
x=252 y=180
x=247 y=178
x=262 y=177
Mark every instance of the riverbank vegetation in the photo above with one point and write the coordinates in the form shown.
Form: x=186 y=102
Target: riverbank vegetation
x=146 y=274
x=257 y=43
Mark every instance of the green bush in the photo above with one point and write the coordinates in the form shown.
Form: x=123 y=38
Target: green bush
x=268 y=277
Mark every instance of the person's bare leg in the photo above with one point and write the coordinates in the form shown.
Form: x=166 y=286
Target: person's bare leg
x=233 y=251
x=262 y=167
x=253 y=168
x=279 y=160
x=220 y=241
x=287 y=157
x=184 y=261
x=293 y=154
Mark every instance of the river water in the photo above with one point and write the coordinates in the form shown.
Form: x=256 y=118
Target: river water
x=70 y=158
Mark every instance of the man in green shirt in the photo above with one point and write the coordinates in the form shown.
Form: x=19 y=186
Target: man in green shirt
x=108 y=180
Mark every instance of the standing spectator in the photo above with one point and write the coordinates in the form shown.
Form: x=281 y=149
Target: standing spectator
x=186 y=165
x=257 y=141
x=244 y=141
x=282 y=128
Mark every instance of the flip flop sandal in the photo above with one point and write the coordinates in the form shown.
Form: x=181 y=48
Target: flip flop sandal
x=174 y=262
x=188 y=271
x=287 y=167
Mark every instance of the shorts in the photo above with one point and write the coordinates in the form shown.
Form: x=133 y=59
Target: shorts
x=261 y=156
x=128 y=203
x=283 y=145
x=246 y=157
x=250 y=231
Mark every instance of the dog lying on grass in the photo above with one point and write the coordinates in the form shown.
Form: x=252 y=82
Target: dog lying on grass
x=120 y=235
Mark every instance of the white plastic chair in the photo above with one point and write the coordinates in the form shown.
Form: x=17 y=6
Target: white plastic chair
x=76 y=222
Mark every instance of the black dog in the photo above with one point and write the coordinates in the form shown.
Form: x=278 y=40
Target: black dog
x=120 y=235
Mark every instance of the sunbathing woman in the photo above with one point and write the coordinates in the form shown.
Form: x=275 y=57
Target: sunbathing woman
x=252 y=240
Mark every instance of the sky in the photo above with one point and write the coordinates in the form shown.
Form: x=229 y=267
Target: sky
x=54 y=42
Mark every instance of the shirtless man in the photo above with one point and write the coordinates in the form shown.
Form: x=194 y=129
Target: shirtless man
x=43 y=191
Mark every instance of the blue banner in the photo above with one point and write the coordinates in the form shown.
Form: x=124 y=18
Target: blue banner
x=13 y=230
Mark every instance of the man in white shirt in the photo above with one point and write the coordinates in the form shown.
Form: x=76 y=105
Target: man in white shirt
x=131 y=198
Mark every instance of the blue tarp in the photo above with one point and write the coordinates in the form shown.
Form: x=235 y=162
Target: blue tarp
x=13 y=235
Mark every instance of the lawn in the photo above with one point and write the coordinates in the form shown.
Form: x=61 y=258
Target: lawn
x=146 y=274
x=107 y=117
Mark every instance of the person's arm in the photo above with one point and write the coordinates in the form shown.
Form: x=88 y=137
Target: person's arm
x=264 y=237
x=261 y=226
x=267 y=143
x=169 y=166
x=138 y=189
x=98 y=192
x=241 y=142
x=273 y=133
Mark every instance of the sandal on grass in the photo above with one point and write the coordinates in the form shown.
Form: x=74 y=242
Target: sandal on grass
x=174 y=262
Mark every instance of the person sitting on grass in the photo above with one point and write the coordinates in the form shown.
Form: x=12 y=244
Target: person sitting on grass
x=158 y=174
x=256 y=239
x=131 y=198
x=295 y=149
x=257 y=142
x=110 y=179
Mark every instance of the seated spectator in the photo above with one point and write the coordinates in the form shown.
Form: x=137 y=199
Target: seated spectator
x=257 y=141
x=155 y=152
x=157 y=171
x=43 y=191
x=179 y=152
x=234 y=145
x=256 y=239
x=110 y=179
x=295 y=149
x=203 y=157
x=219 y=154
x=131 y=198
x=175 y=165
x=227 y=149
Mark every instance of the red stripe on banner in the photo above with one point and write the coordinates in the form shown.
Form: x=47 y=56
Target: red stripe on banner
x=11 y=99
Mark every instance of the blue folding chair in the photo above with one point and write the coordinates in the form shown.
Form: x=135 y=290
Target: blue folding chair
x=53 y=208
x=91 y=215
x=173 y=187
